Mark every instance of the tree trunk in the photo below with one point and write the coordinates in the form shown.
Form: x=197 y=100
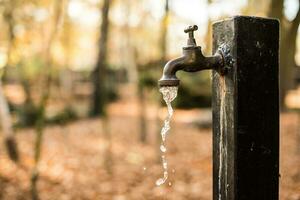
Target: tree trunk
x=276 y=9
x=99 y=99
x=288 y=34
x=131 y=57
x=287 y=61
x=163 y=58
x=6 y=121
x=7 y=128
x=164 y=32
x=9 y=19
x=142 y=110
x=98 y=76
x=108 y=156
x=41 y=112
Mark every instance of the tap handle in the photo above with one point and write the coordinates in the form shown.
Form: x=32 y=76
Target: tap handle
x=191 y=29
x=191 y=42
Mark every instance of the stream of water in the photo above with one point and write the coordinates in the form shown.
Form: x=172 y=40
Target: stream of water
x=169 y=94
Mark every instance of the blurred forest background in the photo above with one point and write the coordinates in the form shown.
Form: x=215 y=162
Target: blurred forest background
x=80 y=110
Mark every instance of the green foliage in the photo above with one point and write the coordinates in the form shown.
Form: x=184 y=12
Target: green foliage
x=148 y=79
x=150 y=73
x=66 y=115
x=187 y=99
x=112 y=94
x=112 y=81
x=194 y=90
x=12 y=149
x=27 y=114
x=31 y=68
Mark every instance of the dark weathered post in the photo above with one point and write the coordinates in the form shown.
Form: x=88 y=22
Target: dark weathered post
x=246 y=111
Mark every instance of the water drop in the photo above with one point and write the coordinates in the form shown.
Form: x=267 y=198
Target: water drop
x=165 y=165
x=163 y=179
x=163 y=148
x=160 y=182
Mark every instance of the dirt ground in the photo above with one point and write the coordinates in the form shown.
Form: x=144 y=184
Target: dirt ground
x=75 y=164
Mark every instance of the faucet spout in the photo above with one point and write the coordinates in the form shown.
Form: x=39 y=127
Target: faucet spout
x=192 y=60
x=169 y=73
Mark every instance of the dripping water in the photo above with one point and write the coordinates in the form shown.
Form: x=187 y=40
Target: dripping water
x=169 y=94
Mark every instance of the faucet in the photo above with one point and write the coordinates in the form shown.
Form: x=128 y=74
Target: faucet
x=192 y=60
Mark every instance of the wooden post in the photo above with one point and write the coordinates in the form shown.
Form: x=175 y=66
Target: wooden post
x=246 y=111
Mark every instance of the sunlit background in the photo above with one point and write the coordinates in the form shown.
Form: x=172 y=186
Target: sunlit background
x=80 y=110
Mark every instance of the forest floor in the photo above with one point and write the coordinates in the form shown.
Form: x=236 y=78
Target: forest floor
x=79 y=162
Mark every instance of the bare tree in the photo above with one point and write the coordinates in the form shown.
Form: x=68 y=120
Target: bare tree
x=6 y=124
x=40 y=122
x=5 y=117
x=142 y=113
x=134 y=73
x=164 y=32
x=163 y=55
x=288 y=37
x=100 y=94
